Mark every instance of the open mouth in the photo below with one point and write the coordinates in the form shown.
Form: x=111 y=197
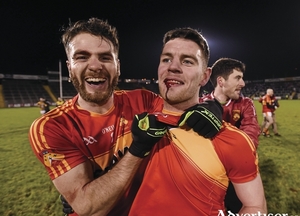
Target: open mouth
x=171 y=82
x=95 y=81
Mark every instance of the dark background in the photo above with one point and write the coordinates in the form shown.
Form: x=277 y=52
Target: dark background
x=264 y=34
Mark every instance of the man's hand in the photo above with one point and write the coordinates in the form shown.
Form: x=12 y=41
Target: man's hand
x=67 y=209
x=205 y=118
x=276 y=104
x=146 y=131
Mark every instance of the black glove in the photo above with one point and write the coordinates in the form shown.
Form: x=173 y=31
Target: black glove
x=205 y=118
x=271 y=106
x=67 y=209
x=276 y=104
x=146 y=131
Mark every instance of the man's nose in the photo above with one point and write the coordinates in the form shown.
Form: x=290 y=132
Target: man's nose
x=95 y=64
x=174 y=66
x=242 y=83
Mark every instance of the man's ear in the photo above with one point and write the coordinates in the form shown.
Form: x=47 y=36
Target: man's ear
x=118 y=68
x=220 y=81
x=205 y=77
x=68 y=66
x=69 y=69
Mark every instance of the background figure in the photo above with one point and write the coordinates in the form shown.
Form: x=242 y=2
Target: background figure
x=269 y=105
x=59 y=102
x=43 y=105
x=227 y=80
x=188 y=174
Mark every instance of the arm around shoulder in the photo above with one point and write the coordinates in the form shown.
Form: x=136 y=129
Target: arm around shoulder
x=89 y=196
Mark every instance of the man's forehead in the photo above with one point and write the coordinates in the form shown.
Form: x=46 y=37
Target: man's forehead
x=237 y=72
x=182 y=46
x=88 y=41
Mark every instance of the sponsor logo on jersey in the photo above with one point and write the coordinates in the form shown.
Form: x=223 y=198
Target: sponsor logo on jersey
x=89 y=140
x=108 y=129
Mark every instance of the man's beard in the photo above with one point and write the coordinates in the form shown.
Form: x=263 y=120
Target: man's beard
x=98 y=97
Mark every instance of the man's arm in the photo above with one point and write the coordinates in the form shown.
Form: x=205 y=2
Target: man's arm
x=249 y=123
x=251 y=194
x=89 y=196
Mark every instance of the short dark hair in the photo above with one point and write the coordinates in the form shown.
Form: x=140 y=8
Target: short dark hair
x=92 y=26
x=224 y=67
x=189 y=34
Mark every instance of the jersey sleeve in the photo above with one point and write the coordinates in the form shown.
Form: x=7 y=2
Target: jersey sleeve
x=249 y=123
x=237 y=153
x=52 y=143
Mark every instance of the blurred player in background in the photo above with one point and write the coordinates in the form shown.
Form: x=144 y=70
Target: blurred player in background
x=43 y=105
x=269 y=105
x=59 y=102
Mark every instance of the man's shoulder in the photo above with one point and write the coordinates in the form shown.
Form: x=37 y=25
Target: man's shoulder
x=206 y=97
x=132 y=92
x=233 y=135
x=135 y=94
x=242 y=101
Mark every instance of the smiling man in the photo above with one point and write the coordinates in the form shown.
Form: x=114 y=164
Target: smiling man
x=188 y=174
x=227 y=79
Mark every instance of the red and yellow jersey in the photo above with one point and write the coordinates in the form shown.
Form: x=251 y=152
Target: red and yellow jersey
x=60 y=102
x=42 y=105
x=242 y=114
x=68 y=135
x=267 y=102
x=188 y=174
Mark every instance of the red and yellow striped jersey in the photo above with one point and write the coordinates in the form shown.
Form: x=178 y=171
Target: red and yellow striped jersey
x=68 y=135
x=188 y=174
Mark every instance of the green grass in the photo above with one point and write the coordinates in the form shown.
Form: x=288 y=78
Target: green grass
x=279 y=159
x=27 y=190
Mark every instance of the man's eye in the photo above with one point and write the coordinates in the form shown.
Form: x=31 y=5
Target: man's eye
x=187 y=62
x=166 y=60
x=106 y=58
x=80 y=57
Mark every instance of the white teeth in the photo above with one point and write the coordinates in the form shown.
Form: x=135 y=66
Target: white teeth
x=95 y=79
x=174 y=81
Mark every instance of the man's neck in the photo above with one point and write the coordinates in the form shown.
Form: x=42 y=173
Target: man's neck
x=218 y=94
x=180 y=107
x=94 y=107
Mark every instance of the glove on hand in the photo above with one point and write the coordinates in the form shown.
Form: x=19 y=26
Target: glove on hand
x=205 y=118
x=276 y=104
x=67 y=209
x=146 y=131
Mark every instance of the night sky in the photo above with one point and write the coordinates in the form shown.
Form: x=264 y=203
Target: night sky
x=264 y=34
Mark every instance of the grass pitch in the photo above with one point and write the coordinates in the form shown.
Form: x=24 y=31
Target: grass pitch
x=27 y=189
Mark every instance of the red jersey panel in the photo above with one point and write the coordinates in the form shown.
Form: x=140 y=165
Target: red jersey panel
x=188 y=174
x=242 y=114
x=68 y=135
